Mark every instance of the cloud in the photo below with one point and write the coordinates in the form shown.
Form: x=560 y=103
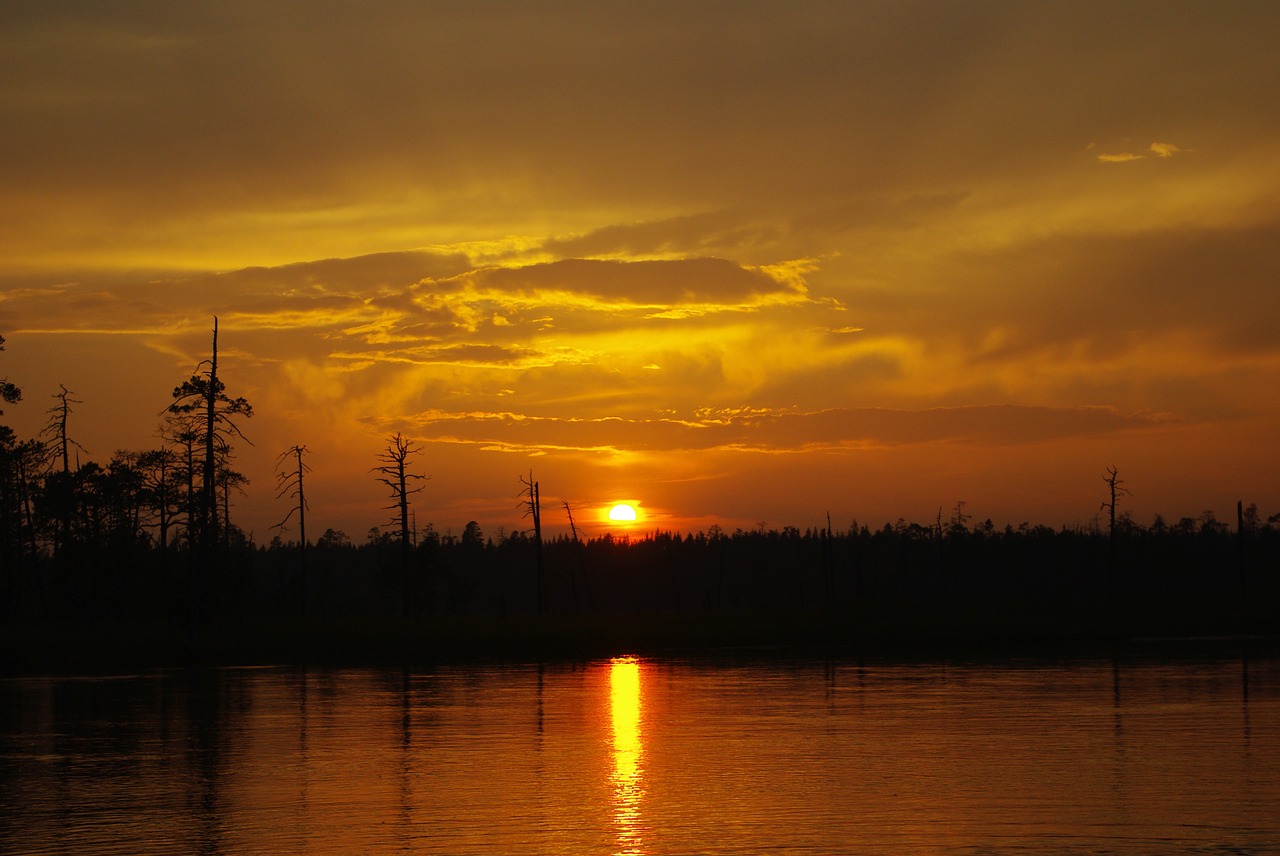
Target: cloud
x=1117 y=288
x=321 y=294
x=700 y=234
x=475 y=355
x=187 y=133
x=878 y=212
x=641 y=283
x=399 y=331
x=776 y=431
x=1160 y=150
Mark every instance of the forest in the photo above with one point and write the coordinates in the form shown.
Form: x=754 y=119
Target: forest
x=147 y=541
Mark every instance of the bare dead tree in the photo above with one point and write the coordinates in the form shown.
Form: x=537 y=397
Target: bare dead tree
x=533 y=509
x=55 y=437
x=959 y=520
x=582 y=562
x=394 y=473
x=289 y=484
x=56 y=428
x=1114 y=482
x=1115 y=485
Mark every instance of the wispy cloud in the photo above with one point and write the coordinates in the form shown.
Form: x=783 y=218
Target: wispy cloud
x=1160 y=150
x=777 y=431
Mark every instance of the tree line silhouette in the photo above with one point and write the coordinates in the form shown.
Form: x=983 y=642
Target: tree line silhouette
x=149 y=536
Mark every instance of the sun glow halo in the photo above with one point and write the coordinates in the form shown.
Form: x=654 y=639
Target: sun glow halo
x=622 y=512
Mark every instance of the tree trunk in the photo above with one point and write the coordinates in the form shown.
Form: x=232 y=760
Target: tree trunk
x=537 y=539
x=405 y=577
x=208 y=510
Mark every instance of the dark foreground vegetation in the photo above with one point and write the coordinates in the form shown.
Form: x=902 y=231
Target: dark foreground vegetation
x=904 y=588
x=140 y=562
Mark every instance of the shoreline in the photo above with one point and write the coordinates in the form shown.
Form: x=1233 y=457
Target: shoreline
x=52 y=647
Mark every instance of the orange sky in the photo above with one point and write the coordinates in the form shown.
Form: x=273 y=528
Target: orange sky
x=739 y=263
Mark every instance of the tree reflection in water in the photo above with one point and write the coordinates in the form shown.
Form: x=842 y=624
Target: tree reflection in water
x=628 y=784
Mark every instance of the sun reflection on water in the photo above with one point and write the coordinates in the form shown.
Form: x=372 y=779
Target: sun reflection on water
x=628 y=786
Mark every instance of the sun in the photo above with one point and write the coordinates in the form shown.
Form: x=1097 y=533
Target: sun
x=622 y=513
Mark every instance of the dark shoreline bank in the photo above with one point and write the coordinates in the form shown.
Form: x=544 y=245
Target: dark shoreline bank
x=999 y=633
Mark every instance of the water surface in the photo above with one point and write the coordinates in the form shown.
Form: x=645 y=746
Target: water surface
x=648 y=757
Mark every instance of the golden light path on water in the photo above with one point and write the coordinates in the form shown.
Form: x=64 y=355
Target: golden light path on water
x=628 y=785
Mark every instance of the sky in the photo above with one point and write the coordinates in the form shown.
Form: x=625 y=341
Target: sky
x=737 y=263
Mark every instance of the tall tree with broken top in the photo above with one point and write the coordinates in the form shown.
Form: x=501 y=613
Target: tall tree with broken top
x=533 y=510
x=204 y=395
x=289 y=484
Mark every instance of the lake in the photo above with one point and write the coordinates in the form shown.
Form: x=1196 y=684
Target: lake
x=727 y=754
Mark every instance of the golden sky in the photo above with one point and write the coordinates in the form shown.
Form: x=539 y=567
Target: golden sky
x=736 y=262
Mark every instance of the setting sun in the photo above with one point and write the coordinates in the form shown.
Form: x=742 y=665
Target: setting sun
x=622 y=513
